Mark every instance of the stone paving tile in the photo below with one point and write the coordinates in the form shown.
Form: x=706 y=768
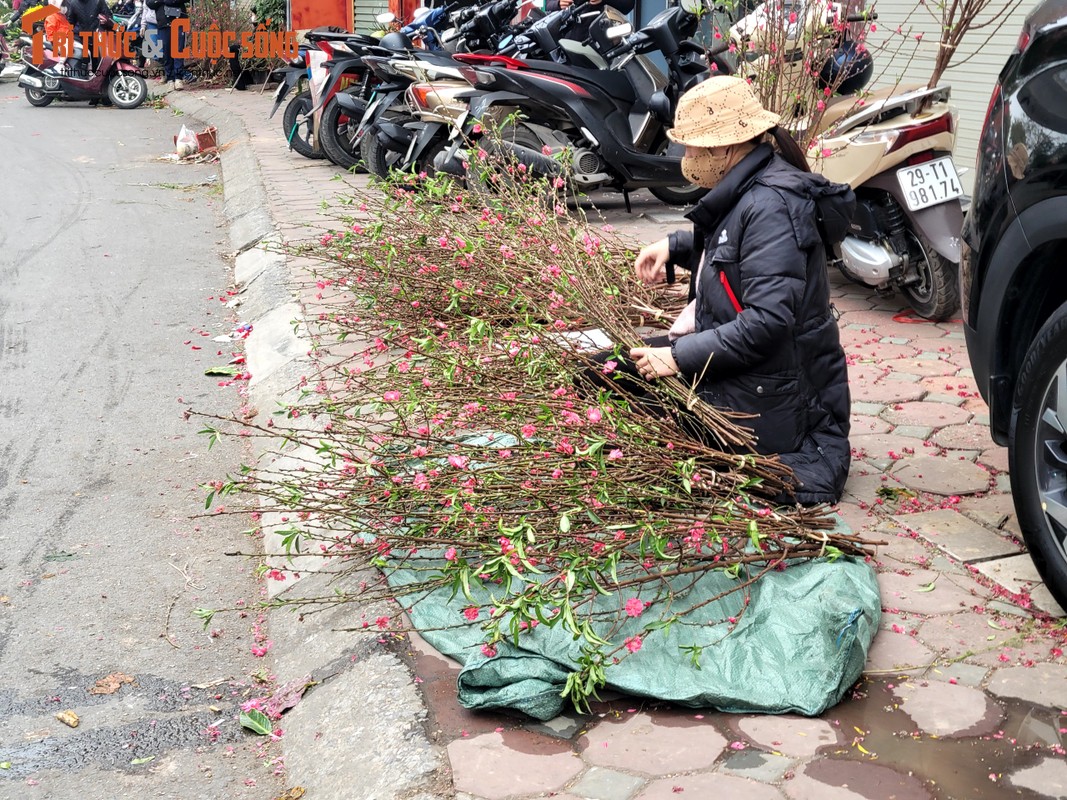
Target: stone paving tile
x=869 y=409
x=862 y=424
x=945 y=399
x=898 y=654
x=605 y=784
x=902 y=592
x=962 y=673
x=927 y=367
x=754 y=764
x=1047 y=778
x=885 y=392
x=903 y=377
x=788 y=735
x=499 y=765
x=934 y=415
x=995 y=458
x=708 y=786
x=921 y=432
x=942 y=476
x=1042 y=684
x=565 y=726
x=963 y=437
x=958 y=535
x=833 y=779
x=882 y=446
x=653 y=745
x=948 y=710
x=965 y=634
x=1018 y=574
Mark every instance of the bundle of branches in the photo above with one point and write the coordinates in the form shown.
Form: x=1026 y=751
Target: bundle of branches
x=474 y=443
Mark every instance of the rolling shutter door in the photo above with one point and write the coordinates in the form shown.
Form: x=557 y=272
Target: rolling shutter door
x=364 y=12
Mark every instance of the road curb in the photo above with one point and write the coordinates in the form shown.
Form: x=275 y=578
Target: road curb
x=361 y=734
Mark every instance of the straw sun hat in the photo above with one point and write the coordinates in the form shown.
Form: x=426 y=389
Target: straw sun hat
x=720 y=112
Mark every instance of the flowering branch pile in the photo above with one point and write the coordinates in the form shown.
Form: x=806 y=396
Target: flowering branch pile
x=472 y=443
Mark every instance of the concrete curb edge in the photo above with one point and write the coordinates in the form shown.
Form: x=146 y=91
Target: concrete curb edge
x=362 y=736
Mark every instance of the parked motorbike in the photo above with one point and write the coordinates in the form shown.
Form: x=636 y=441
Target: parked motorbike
x=312 y=64
x=895 y=150
x=117 y=80
x=603 y=104
x=422 y=99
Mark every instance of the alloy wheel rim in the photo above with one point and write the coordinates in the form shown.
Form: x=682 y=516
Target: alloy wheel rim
x=1050 y=455
x=124 y=91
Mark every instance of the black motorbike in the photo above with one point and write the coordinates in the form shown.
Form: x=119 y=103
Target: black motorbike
x=603 y=104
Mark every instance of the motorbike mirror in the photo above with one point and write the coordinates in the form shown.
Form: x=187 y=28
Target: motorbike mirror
x=385 y=19
x=619 y=31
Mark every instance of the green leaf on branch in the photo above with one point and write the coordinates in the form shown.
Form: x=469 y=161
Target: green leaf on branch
x=206 y=614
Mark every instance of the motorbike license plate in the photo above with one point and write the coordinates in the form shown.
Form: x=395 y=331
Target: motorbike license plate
x=929 y=184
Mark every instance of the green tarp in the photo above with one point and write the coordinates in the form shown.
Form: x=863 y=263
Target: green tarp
x=798 y=647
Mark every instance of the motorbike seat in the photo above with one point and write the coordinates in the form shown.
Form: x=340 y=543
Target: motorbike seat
x=841 y=107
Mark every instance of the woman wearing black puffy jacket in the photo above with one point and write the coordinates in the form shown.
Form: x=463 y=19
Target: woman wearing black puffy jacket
x=759 y=335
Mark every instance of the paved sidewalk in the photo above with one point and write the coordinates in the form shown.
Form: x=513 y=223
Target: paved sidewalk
x=965 y=691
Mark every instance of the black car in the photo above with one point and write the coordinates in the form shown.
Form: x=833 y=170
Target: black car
x=1013 y=282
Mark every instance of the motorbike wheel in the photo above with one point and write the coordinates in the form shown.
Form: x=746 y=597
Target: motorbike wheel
x=1036 y=447
x=336 y=137
x=36 y=97
x=379 y=159
x=936 y=295
x=685 y=194
x=127 y=90
x=298 y=125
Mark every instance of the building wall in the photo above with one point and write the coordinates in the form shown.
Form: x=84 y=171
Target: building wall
x=908 y=57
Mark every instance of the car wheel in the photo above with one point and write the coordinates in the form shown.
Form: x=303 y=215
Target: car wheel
x=936 y=294
x=1037 y=453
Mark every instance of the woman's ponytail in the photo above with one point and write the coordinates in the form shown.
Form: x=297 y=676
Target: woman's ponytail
x=787 y=146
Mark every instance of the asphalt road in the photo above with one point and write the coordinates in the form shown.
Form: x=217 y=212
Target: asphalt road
x=110 y=273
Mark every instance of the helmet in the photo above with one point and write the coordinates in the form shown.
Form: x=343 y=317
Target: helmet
x=847 y=70
x=397 y=41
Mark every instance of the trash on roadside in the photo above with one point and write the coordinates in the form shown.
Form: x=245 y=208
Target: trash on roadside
x=185 y=143
x=189 y=143
x=110 y=684
x=68 y=718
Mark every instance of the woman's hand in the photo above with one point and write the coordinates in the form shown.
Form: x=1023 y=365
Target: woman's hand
x=651 y=262
x=654 y=362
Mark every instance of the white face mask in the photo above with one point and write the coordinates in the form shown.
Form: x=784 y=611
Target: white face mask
x=708 y=167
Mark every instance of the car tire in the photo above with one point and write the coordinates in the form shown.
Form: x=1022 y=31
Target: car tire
x=1037 y=453
x=298 y=128
x=936 y=296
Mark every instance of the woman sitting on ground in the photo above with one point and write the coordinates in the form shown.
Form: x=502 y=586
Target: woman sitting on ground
x=759 y=336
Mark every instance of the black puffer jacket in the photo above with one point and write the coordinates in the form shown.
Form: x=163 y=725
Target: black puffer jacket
x=766 y=341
